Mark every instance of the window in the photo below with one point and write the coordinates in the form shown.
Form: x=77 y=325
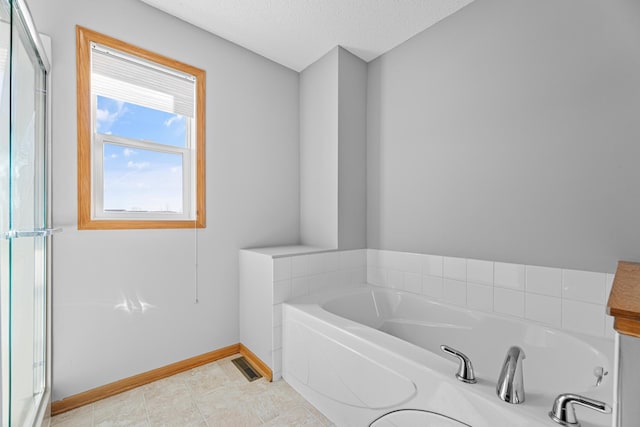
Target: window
x=140 y=137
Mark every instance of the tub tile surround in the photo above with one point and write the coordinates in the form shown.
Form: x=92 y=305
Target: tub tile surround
x=306 y=274
x=566 y=299
x=271 y=276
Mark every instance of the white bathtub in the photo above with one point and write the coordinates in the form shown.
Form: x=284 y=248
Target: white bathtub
x=362 y=353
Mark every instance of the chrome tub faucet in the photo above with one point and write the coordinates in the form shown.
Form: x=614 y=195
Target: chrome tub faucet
x=510 y=387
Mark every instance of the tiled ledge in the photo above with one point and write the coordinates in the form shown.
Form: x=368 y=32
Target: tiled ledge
x=288 y=250
x=572 y=300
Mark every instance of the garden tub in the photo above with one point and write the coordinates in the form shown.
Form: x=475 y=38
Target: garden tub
x=364 y=353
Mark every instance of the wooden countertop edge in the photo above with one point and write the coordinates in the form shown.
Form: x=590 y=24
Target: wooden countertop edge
x=624 y=299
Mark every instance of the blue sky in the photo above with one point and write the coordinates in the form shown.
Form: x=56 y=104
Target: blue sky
x=137 y=179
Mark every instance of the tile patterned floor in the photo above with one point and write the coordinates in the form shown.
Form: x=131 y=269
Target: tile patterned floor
x=213 y=395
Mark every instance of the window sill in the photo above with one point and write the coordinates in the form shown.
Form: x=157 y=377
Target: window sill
x=110 y=224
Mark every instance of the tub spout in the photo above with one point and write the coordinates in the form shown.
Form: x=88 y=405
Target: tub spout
x=510 y=386
x=465 y=370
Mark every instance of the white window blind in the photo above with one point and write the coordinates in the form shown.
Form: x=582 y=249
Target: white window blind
x=119 y=76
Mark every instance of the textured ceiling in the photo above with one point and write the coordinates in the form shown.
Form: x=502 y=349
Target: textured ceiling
x=295 y=33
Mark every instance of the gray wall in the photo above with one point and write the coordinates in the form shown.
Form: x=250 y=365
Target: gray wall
x=352 y=146
x=333 y=94
x=252 y=200
x=509 y=131
x=506 y=132
x=319 y=152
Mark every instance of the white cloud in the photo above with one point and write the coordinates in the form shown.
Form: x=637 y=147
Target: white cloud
x=105 y=118
x=128 y=152
x=172 y=120
x=138 y=165
x=114 y=156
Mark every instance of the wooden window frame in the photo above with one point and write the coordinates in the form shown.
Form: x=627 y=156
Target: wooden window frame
x=84 y=37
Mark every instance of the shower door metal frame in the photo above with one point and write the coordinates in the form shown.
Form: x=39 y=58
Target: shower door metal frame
x=20 y=11
x=44 y=412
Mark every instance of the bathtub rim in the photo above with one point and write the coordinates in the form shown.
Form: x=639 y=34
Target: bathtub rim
x=602 y=344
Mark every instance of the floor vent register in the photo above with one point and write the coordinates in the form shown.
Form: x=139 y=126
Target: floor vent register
x=249 y=373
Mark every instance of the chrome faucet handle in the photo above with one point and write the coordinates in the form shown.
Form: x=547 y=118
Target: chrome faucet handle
x=465 y=370
x=564 y=413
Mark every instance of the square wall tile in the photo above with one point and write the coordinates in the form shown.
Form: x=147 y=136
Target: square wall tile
x=376 y=276
x=508 y=301
x=318 y=283
x=411 y=263
x=336 y=279
x=544 y=309
x=331 y=261
x=583 y=317
x=277 y=360
x=432 y=265
x=299 y=266
x=388 y=260
x=510 y=276
x=281 y=268
x=544 y=280
x=412 y=283
x=480 y=272
x=299 y=287
x=277 y=315
x=281 y=291
x=341 y=277
x=432 y=286
x=316 y=264
x=350 y=260
x=454 y=292
x=401 y=261
x=395 y=279
x=479 y=297
x=358 y=276
x=277 y=337
x=324 y=262
x=584 y=286
x=373 y=258
x=355 y=277
x=454 y=268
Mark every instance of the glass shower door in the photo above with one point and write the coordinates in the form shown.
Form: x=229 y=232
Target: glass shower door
x=23 y=221
x=5 y=47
